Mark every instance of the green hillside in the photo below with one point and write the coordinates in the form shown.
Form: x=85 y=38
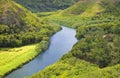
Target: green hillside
x=22 y=36
x=18 y=26
x=98 y=32
x=89 y=8
x=87 y=11
x=46 y=5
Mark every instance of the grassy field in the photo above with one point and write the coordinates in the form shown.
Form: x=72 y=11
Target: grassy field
x=15 y=58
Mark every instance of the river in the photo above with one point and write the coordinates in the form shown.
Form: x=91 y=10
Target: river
x=61 y=43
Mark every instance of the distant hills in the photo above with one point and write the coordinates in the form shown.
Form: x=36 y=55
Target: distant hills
x=88 y=8
x=46 y=5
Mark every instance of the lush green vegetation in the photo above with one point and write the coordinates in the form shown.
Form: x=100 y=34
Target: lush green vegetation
x=98 y=30
x=24 y=28
x=46 y=5
x=86 y=12
x=19 y=27
x=75 y=68
x=97 y=53
x=67 y=68
x=98 y=43
x=15 y=57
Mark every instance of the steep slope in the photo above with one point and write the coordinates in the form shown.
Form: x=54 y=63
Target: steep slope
x=18 y=26
x=46 y=5
x=14 y=14
x=80 y=7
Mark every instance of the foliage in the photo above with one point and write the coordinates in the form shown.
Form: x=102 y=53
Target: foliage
x=19 y=27
x=24 y=28
x=15 y=57
x=75 y=68
x=67 y=68
x=97 y=44
x=98 y=24
x=46 y=5
x=97 y=32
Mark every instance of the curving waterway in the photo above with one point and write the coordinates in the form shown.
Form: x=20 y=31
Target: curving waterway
x=60 y=44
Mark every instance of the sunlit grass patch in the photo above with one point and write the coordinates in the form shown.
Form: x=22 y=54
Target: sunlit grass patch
x=12 y=58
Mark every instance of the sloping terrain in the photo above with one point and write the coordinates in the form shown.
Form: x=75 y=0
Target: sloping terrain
x=86 y=11
x=46 y=5
x=18 y=26
x=94 y=6
x=76 y=68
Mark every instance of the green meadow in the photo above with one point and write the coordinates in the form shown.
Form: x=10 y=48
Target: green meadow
x=16 y=57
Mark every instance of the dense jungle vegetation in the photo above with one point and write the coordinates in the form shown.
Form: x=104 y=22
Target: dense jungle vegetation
x=97 y=53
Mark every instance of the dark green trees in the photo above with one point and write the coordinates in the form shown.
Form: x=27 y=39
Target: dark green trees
x=98 y=44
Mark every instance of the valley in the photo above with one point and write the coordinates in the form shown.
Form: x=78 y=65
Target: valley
x=95 y=55
x=64 y=43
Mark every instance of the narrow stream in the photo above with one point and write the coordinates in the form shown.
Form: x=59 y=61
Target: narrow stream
x=61 y=43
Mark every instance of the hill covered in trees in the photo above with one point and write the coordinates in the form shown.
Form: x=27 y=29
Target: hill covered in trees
x=22 y=36
x=18 y=26
x=46 y=5
x=98 y=32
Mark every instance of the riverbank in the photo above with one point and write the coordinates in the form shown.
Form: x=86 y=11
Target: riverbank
x=60 y=44
x=17 y=57
x=14 y=58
